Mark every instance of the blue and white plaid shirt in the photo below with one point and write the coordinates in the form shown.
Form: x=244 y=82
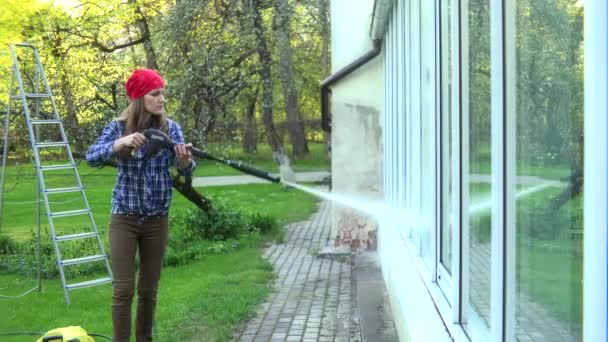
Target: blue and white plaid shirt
x=157 y=183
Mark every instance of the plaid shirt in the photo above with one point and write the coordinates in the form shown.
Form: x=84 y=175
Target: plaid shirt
x=156 y=185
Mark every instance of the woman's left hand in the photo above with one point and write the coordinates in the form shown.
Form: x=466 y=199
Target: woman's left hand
x=183 y=155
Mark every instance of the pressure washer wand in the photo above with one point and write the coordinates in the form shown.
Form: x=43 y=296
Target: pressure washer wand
x=158 y=139
x=236 y=165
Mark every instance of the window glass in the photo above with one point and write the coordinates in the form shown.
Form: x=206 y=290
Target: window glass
x=549 y=182
x=477 y=173
x=445 y=148
x=427 y=131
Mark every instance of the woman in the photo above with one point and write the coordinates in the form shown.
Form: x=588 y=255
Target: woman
x=140 y=200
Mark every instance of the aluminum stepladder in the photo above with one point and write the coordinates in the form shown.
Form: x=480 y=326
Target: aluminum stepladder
x=33 y=123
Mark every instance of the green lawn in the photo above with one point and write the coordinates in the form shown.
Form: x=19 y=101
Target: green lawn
x=201 y=301
x=20 y=219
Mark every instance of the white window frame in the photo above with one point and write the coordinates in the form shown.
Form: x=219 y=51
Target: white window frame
x=400 y=111
x=596 y=163
x=498 y=169
x=443 y=277
x=509 y=225
x=389 y=127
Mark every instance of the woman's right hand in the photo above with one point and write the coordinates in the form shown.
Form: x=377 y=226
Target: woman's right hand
x=132 y=141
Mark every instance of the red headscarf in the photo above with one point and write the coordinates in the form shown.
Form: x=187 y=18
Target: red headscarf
x=143 y=81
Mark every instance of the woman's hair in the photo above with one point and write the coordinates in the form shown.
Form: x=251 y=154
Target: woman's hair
x=136 y=118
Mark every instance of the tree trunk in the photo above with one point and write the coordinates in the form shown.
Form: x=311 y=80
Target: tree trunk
x=250 y=134
x=144 y=31
x=294 y=123
x=325 y=35
x=276 y=145
x=325 y=62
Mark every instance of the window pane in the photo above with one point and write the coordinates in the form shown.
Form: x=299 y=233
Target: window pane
x=549 y=211
x=479 y=186
x=427 y=112
x=409 y=169
x=445 y=251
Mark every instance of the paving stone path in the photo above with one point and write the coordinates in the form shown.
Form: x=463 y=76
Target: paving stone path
x=313 y=295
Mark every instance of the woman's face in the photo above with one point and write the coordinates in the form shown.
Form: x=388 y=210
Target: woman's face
x=154 y=101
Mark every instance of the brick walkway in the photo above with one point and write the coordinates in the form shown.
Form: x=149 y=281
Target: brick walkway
x=312 y=298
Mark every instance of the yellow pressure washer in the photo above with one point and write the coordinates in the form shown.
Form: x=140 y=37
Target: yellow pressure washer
x=67 y=334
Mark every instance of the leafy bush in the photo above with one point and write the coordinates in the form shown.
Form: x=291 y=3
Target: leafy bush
x=265 y=224
x=195 y=233
x=22 y=256
x=7 y=245
x=221 y=223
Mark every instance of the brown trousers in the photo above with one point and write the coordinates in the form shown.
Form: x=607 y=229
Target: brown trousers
x=127 y=235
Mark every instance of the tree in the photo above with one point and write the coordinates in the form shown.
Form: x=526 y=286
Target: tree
x=250 y=131
x=209 y=63
x=274 y=140
x=144 y=30
x=294 y=123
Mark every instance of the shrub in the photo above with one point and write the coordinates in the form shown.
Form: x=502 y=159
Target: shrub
x=221 y=223
x=7 y=245
x=23 y=258
x=265 y=224
x=195 y=233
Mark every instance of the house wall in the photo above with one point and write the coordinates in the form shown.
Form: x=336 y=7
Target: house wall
x=356 y=107
x=439 y=128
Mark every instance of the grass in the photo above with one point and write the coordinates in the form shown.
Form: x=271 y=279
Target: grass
x=287 y=205
x=201 y=301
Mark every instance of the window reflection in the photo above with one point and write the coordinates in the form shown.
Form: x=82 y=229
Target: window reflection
x=549 y=216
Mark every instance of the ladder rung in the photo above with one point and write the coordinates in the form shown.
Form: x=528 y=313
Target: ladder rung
x=76 y=261
x=70 y=213
x=40 y=122
x=32 y=96
x=76 y=236
x=51 y=144
x=89 y=283
x=62 y=190
x=57 y=167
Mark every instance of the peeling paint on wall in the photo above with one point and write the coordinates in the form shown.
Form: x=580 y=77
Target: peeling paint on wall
x=357 y=170
x=355 y=231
